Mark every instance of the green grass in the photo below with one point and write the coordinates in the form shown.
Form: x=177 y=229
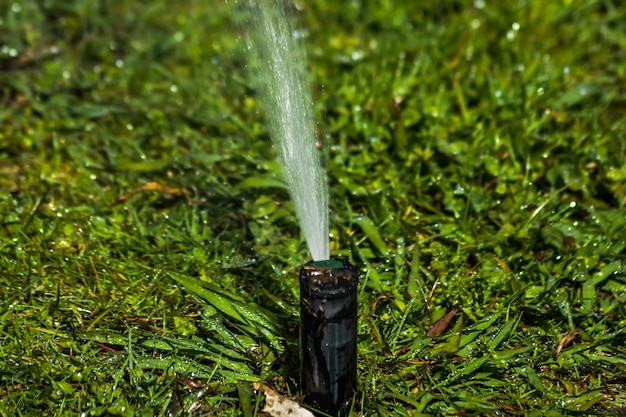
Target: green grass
x=477 y=166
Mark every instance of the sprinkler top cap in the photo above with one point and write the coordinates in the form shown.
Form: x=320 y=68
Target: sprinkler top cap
x=329 y=263
x=328 y=279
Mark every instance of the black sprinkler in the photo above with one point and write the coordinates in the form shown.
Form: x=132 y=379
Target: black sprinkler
x=328 y=313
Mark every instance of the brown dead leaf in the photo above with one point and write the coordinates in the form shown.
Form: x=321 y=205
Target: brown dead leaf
x=432 y=291
x=277 y=405
x=441 y=324
x=190 y=383
x=381 y=297
x=565 y=341
x=151 y=186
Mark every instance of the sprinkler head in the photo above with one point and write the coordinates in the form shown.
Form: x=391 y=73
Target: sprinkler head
x=328 y=313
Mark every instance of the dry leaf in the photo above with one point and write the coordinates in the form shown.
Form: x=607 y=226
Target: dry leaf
x=277 y=405
x=565 y=341
x=151 y=186
x=438 y=328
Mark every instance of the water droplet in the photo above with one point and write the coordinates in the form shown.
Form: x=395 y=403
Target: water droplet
x=356 y=55
x=510 y=35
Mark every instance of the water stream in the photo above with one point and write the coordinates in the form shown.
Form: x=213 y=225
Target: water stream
x=277 y=64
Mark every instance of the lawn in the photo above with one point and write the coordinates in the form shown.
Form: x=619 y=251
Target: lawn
x=476 y=158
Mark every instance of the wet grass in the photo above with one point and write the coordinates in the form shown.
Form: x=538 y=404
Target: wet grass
x=477 y=167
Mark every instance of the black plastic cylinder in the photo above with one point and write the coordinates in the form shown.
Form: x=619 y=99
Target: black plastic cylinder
x=328 y=313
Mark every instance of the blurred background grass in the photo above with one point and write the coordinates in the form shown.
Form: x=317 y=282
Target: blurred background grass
x=477 y=165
